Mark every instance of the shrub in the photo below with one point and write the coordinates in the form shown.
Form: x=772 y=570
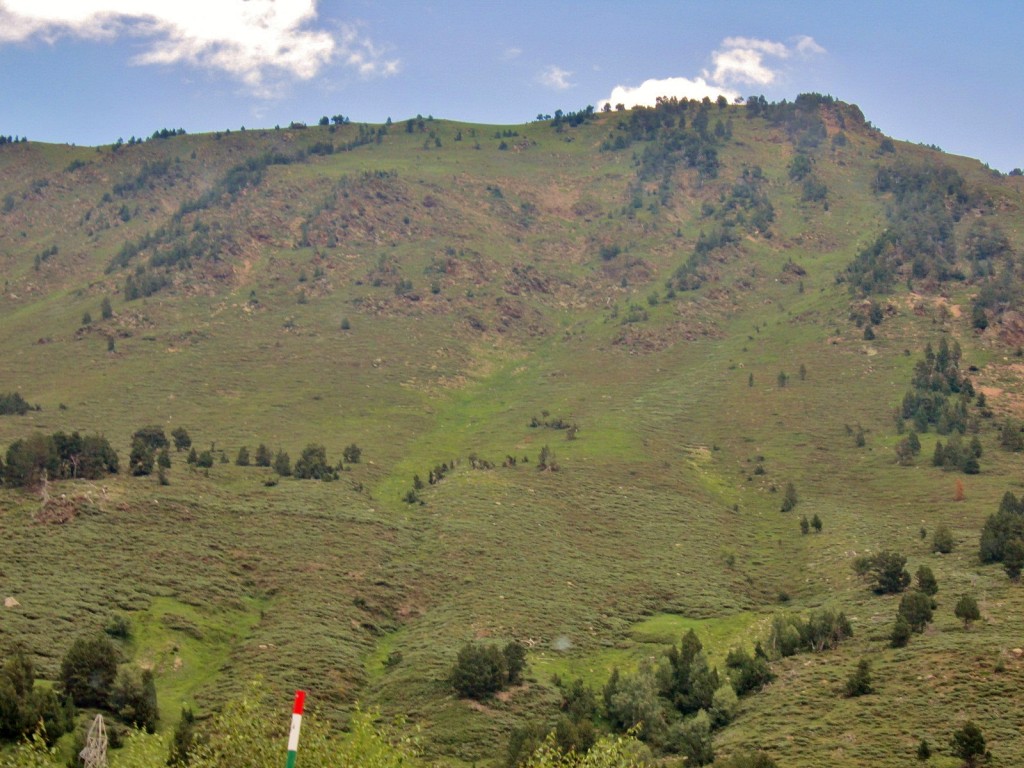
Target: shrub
x=352 y=454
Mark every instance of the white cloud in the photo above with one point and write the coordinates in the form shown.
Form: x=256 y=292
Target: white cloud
x=511 y=52
x=252 y=40
x=739 y=60
x=808 y=46
x=680 y=87
x=556 y=78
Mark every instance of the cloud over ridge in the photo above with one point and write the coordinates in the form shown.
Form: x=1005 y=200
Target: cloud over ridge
x=737 y=61
x=253 y=40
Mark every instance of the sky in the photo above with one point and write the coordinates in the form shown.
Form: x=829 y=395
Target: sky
x=89 y=72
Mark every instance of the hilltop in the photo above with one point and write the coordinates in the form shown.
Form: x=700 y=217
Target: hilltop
x=584 y=360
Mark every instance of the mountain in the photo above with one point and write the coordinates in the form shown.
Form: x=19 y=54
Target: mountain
x=583 y=362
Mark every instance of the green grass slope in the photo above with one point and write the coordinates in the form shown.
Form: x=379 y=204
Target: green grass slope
x=430 y=294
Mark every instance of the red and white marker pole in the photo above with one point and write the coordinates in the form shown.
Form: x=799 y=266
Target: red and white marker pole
x=293 y=734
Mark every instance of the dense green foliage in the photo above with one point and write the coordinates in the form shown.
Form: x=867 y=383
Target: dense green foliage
x=58 y=456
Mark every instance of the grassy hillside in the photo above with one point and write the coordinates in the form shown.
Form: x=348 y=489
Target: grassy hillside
x=440 y=292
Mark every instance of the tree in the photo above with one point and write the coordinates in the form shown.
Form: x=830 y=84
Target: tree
x=916 y=608
x=106 y=311
x=88 y=671
x=182 y=439
x=816 y=523
x=606 y=752
x=515 y=661
x=789 y=498
x=30 y=460
x=926 y=581
x=263 y=457
x=901 y=632
x=152 y=437
x=242 y=459
x=967 y=610
x=748 y=673
x=968 y=744
x=312 y=464
x=282 y=463
x=692 y=739
x=805 y=526
x=480 y=670
x=133 y=698
x=1013 y=558
x=889 y=574
x=924 y=751
x=859 y=681
x=942 y=539
x=352 y=454
x=183 y=739
x=141 y=459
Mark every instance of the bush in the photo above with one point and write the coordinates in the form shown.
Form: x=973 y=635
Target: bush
x=352 y=454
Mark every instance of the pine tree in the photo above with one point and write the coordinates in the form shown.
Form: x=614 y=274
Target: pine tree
x=263 y=457
x=967 y=610
x=789 y=498
x=859 y=682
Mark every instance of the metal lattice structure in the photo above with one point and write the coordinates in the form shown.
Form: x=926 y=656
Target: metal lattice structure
x=94 y=754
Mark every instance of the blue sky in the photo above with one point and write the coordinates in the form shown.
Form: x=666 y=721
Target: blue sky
x=90 y=71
